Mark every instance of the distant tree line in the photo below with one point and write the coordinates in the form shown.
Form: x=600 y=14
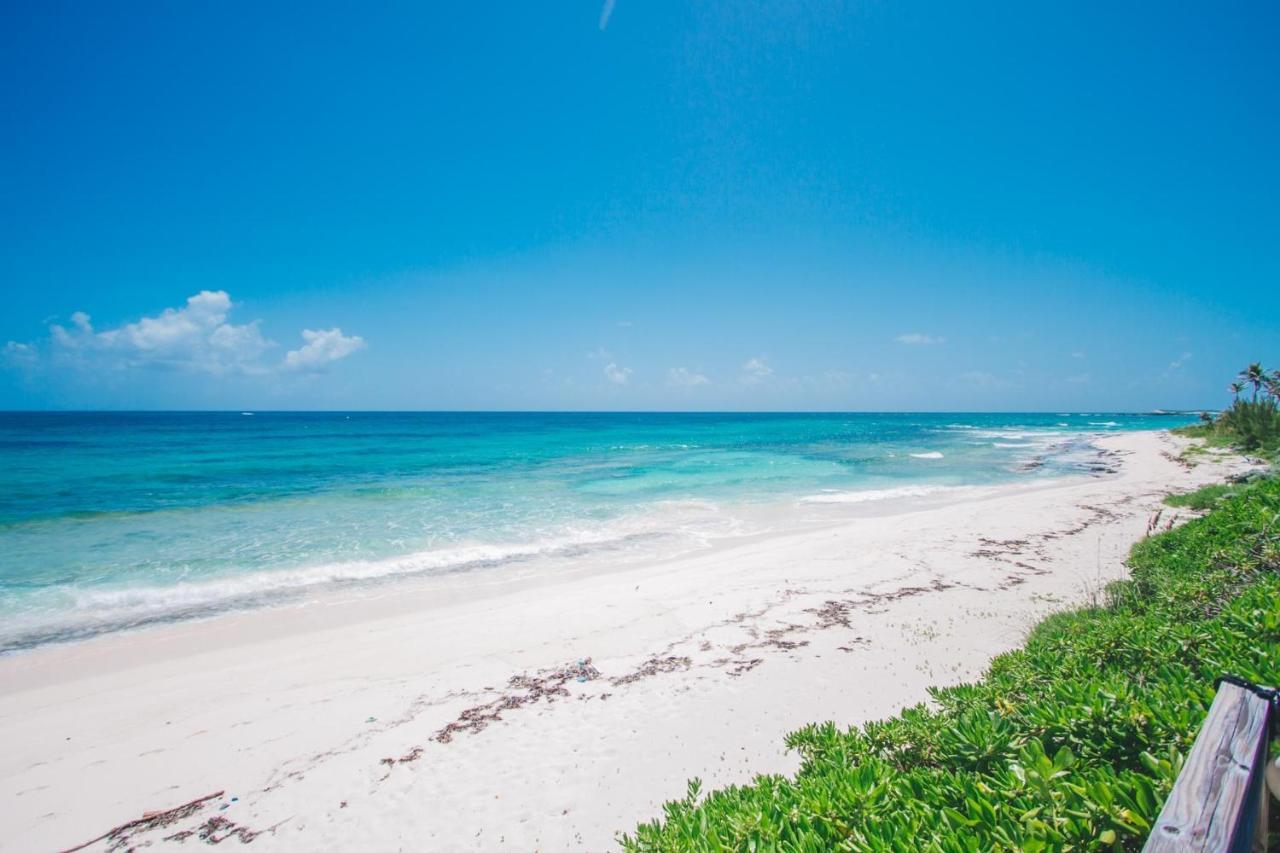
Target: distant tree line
x=1253 y=420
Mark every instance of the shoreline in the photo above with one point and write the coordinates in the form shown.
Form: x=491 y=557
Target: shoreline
x=87 y=575
x=395 y=597
x=555 y=712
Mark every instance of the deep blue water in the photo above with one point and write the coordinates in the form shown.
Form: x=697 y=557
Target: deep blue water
x=109 y=520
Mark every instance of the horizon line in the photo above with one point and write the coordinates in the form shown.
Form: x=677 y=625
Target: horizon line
x=253 y=411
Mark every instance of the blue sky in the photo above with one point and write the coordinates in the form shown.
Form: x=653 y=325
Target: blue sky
x=756 y=205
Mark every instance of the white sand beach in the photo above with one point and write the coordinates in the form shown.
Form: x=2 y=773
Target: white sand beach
x=554 y=714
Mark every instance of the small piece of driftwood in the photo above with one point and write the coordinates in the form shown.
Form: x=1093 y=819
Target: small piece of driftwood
x=1219 y=801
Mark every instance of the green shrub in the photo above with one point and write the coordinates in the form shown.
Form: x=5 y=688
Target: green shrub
x=1204 y=498
x=1252 y=423
x=1256 y=423
x=1071 y=742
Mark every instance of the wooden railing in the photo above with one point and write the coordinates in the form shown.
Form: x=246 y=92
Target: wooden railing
x=1219 y=802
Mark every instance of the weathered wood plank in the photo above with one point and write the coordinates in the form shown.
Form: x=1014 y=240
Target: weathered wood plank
x=1214 y=804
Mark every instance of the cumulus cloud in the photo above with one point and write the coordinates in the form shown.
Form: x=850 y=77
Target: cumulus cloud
x=755 y=370
x=683 y=377
x=196 y=337
x=322 y=347
x=919 y=339
x=617 y=375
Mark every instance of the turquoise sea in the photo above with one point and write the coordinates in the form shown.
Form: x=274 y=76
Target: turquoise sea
x=115 y=520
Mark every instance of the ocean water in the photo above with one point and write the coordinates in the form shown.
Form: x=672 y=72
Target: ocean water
x=114 y=520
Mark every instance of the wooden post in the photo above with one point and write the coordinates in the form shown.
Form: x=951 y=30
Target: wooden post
x=1219 y=802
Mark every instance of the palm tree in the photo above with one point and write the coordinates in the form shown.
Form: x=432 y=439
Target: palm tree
x=1253 y=375
x=1273 y=385
x=1235 y=388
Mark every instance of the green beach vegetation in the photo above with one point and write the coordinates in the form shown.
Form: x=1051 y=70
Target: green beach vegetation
x=1252 y=423
x=1203 y=498
x=1072 y=742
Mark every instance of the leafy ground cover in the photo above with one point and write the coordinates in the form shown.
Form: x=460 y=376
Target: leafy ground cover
x=1206 y=497
x=1072 y=742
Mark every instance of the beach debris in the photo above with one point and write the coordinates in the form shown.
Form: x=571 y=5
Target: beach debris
x=218 y=829
x=741 y=667
x=118 y=838
x=412 y=755
x=1097 y=514
x=999 y=547
x=654 y=666
x=833 y=613
x=775 y=638
x=523 y=690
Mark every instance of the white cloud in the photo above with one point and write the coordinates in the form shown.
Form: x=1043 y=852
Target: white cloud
x=1078 y=354
x=617 y=375
x=755 y=370
x=19 y=353
x=196 y=337
x=322 y=347
x=919 y=339
x=1080 y=379
x=683 y=377
x=1178 y=362
x=606 y=12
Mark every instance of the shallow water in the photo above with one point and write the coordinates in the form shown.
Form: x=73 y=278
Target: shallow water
x=111 y=520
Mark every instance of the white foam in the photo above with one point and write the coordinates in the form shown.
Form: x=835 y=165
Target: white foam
x=867 y=495
x=1014 y=444
x=71 y=611
x=1103 y=423
x=932 y=454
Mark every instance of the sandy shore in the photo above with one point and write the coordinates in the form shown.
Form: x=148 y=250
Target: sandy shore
x=549 y=715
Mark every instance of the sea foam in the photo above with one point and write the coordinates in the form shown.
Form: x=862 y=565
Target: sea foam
x=868 y=495
x=73 y=611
